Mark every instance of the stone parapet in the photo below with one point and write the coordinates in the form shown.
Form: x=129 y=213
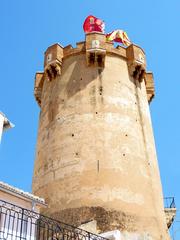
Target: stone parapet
x=38 y=85
x=95 y=49
x=149 y=81
x=136 y=62
x=53 y=61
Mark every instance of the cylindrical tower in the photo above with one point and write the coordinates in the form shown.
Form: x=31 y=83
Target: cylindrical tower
x=95 y=156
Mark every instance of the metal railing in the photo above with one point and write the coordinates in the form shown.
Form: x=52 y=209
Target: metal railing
x=17 y=223
x=169 y=202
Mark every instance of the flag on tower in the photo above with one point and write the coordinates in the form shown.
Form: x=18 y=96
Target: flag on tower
x=93 y=24
x=118 y=36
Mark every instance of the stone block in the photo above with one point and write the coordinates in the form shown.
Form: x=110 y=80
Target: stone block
x=38 y=85
x=136 y=62
x=95 y=49
x=53 y=61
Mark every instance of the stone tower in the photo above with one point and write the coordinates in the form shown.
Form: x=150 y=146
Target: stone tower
x=95 y=156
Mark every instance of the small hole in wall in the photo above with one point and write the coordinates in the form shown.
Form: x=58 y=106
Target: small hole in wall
x=136 y=120
x=100 y=69
x=135 y=103
x=77 y=153
x=100 y=90
x=72 y=135
x=126 y=135
x=96 y=112
x=98 y=165
x=81 y=79
x=124 y=154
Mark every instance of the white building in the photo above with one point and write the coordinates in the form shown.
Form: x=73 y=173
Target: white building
x=4 y=124
x=19 y=210
x=19 y=213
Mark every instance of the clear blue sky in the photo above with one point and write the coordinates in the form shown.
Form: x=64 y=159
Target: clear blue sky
x=29 y=27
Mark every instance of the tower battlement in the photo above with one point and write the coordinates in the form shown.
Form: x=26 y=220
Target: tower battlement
x=95 y=48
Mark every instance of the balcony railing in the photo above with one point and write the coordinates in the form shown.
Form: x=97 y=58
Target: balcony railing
x=169 y=202
x=17 y=223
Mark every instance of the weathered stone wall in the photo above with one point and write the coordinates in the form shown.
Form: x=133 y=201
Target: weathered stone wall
x=95 y=155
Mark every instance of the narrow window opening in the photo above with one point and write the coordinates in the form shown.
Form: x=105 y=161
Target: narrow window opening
x=91 y=58
x=100 y=90
x=99 y=60
x=98 y=165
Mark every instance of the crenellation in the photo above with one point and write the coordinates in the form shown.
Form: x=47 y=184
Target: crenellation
x=134 y=56
x=136 y=62
x=81 y=45
x=53 y=61
x=149 y=81
x=74 y=51
x=38 y=85
x=95 y=49
x=53 y=53
x=118 y=51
